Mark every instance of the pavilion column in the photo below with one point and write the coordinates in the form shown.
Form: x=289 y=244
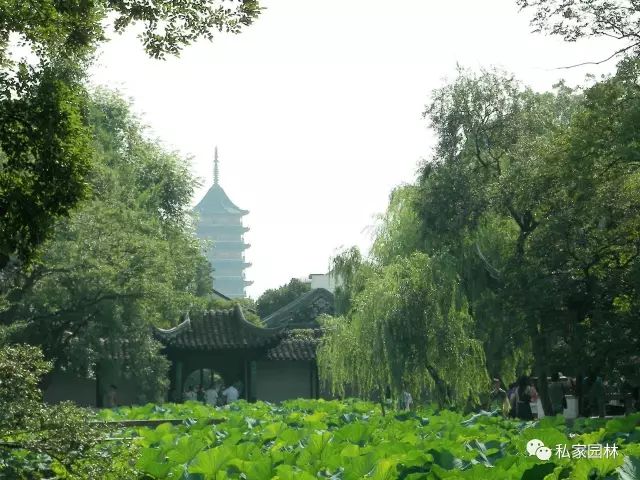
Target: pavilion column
x=247 y=386
x=252 y=381
x=178 y=381
x=172 y=382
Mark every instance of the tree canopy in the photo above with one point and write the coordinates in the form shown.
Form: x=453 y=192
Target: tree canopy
x=408 y=328
x=572 y=20
x=48 y=441
x=524 y=223
x=125 y=259
x=45 y=143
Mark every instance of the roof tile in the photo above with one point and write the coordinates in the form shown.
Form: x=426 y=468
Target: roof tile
x=298 y=344
x=218 y=329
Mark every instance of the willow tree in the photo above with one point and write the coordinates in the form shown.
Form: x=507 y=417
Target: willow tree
x=408 y=327
x=397 y=233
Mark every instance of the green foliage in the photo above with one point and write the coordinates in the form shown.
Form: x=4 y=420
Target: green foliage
x=587 y=249
x=45 y=152
x=533 y=200
x=480 y=195
x=276 y=298
x=125 y=259
x=353 y=271
x=542 y=223
x=588 y=18
x=21 y=368
x=408 y=326
x=398 y=233
x=42 y=441
x=171 y=26
x=73 y=30
x=45 y=148
x=351 y=440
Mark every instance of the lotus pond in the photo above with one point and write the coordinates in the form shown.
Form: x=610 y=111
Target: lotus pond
x=349 y=440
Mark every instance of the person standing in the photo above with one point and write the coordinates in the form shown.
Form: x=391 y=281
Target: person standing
x=536 y=402
x=231 y=394
x=407 y=400
x=533 y=392
x=200 y=394
x=523 y=399
x=596 y=396
x=556 y=394
x=498 y=398
x=511 y=397
x=211 y=396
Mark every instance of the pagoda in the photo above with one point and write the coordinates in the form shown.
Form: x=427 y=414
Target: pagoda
x=220 y=222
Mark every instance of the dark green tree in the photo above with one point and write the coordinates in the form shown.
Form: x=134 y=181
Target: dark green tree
x=125 y=259
x=40 y=441
x=529 y=212
x=545 y=203
x=45 y=152
x=45 y=147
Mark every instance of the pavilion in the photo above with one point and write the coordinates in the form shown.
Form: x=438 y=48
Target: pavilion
x=273 y=363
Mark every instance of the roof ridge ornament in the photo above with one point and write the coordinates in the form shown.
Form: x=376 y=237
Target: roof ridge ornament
x=169 y=333
x=247 y=325
x=219 y=330
x=216 y=172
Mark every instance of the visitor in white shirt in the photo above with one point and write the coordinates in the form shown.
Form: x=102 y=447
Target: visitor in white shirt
x=211 y=396
x=231 y=394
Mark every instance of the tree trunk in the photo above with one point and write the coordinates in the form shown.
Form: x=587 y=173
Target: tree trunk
x=382 y=401
x=540 y=368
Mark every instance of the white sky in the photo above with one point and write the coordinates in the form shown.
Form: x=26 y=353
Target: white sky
x=316 y=109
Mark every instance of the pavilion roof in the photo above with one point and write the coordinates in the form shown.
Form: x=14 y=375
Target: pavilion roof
x=218 y=330
x=303 y=311
x=298 y=344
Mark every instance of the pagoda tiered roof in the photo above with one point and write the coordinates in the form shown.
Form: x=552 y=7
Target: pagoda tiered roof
x=230 y=245
x=222 y=262
x=220 y=221
x=216 y=201
x=224 y=228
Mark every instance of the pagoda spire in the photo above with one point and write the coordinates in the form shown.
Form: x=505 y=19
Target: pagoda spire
x=216 y=173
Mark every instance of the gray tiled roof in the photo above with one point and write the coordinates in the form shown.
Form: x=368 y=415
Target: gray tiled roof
x=218 y=330
x=299 y=344
x=228 y=329
x=303 y=311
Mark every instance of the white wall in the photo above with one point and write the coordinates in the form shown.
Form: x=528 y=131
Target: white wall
x=324 y=280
